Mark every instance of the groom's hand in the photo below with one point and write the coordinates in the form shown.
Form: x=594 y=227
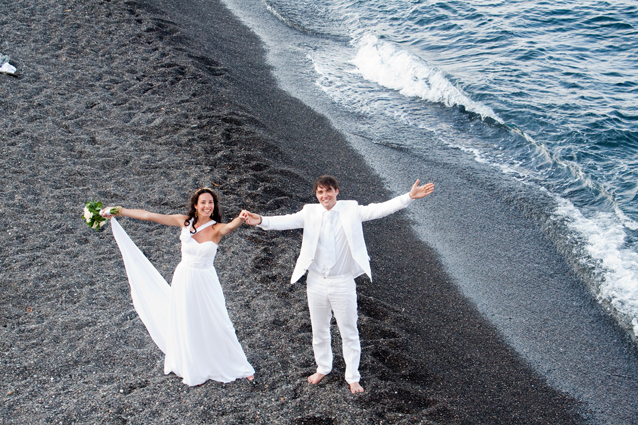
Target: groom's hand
x=421 y=191
x=250 y=218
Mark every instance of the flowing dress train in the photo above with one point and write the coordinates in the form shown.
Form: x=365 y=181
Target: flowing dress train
x=187 y=320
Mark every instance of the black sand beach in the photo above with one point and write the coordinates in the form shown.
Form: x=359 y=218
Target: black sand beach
x=121 y=101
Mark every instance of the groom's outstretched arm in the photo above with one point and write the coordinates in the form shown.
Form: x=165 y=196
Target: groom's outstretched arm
x=278 y=222
x=379 y=210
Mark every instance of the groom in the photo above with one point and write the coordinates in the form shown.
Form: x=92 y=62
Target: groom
x=333 y=252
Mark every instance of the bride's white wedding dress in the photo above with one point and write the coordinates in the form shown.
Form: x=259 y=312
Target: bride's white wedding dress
x=187 y=320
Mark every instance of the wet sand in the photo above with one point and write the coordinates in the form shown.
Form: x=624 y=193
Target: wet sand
x=123 y=102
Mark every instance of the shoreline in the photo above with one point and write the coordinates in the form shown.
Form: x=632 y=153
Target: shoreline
x=135 y=111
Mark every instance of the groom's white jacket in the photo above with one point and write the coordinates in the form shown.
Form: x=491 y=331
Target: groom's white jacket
x=351 y=215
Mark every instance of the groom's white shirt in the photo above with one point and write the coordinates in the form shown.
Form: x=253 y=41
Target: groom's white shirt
x=351 y=215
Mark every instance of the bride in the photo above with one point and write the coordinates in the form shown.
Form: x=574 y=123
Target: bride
x=187 y=320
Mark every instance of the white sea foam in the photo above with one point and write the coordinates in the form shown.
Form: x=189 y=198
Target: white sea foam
x=396 y=69
x=604 y=240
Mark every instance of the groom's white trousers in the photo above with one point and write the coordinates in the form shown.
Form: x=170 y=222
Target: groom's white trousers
x=338 y=295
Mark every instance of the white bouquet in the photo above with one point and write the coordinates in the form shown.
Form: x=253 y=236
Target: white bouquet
x=92 y=215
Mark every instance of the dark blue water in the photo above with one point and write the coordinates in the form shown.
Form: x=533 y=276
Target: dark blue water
x=535 y=104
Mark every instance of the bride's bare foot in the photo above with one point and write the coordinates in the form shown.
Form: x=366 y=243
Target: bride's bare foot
x=314 y=379
x=356 y=388
x=251 y=378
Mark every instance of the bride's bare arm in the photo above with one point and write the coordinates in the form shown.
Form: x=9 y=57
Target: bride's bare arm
x=226 y=228
x=169 y=220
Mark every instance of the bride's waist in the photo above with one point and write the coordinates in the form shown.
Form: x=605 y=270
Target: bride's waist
x=197 y=262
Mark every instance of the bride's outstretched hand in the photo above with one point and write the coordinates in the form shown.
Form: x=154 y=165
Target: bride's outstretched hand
x=110 y=212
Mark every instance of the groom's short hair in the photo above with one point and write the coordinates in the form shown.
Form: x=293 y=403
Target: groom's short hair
x=327 y=182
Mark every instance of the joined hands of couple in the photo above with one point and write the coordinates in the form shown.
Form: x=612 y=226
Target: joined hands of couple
x=250 y=218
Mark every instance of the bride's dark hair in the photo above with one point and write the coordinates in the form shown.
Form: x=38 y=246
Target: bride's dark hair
x=192 y=212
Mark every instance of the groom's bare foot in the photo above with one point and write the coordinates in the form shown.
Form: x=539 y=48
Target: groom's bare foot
x=356 y=388
x=315 y=378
